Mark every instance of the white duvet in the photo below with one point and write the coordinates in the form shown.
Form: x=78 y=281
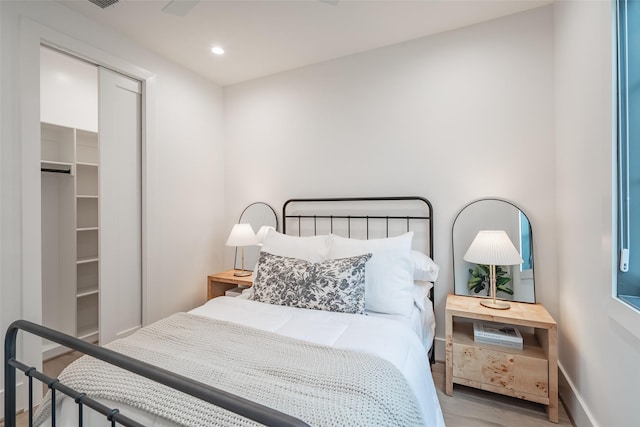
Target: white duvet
x=388 y=338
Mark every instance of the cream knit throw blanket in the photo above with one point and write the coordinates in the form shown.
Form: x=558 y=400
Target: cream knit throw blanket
x=321 y=385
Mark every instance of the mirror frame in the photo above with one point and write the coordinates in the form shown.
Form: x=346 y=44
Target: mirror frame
x=275 y=215
x=453 y=249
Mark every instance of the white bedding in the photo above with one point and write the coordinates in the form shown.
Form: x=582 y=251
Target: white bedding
x=393 y=339
x=420 y=319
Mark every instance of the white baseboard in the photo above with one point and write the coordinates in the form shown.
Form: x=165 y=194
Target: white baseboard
x=54 y=351
x=439 y=353
x=21 y=393
x=127 y=332
x=573 y=402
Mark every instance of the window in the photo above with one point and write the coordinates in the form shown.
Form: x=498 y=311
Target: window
x=525 y=243
x=628 y=37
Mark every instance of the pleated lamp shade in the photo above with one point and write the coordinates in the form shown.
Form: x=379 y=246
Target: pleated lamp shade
x=492 y=247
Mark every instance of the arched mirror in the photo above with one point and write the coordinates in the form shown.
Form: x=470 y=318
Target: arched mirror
x=257 y=214
x=516 y=282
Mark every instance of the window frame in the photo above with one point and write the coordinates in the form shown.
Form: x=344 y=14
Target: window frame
x=619 y=310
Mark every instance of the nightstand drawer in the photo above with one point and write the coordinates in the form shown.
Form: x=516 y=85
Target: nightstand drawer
x=484 y=368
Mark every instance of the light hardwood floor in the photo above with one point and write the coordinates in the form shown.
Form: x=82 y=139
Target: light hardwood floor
x=467 y=407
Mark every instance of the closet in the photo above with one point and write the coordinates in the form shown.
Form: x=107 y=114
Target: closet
x=90 y=200
x=70 y=230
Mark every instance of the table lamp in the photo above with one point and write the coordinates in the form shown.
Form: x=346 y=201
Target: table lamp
x=493 y=247
x=242 y=235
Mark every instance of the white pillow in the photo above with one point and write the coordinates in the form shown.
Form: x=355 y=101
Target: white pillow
x=312 y=249
x=388 y=274
x=420 y=293
x=424 y=269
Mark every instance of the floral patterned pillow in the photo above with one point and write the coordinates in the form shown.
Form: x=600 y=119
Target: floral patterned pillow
x=332 y=285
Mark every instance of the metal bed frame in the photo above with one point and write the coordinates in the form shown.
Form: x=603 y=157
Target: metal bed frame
x=370 y=209
x=221 y=398
x=207 y=393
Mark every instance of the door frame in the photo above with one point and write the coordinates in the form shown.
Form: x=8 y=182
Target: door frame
x=32 y=36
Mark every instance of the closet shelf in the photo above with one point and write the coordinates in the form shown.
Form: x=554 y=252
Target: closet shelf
x=87 y=293
x=49 y=346
x=88 y=164
x=88 y=334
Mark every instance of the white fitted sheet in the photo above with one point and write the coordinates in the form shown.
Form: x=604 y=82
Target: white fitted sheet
x=392 y=339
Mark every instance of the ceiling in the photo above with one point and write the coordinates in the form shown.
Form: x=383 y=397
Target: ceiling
x=266 y=37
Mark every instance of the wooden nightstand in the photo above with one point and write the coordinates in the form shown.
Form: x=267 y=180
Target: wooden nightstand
x=530 y=373
x=218 y=283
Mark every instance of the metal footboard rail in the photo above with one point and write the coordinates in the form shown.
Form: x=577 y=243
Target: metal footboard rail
x=215 y=396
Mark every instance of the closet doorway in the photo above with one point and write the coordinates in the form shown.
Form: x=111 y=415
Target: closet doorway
x=91 y=200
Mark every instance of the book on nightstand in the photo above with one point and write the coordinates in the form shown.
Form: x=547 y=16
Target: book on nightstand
x=497 y=334
x=234 y=292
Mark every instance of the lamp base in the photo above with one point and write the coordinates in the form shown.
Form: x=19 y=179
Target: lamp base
x=242 y=273
x=498 y=305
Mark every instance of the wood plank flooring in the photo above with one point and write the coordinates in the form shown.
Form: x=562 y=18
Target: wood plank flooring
x=467 y=407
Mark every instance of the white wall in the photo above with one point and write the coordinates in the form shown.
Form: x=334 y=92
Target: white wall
x=183 y=175
x=451 y=117
x=597 y=354
x=65 y=77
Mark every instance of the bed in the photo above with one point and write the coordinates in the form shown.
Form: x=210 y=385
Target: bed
x=344 y=350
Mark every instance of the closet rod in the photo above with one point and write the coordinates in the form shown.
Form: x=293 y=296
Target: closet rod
x=67 y=171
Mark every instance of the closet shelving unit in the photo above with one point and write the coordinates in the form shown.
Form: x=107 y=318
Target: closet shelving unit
x=71 y=228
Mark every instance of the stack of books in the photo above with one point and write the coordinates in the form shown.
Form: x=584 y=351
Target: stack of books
x=497 y=334
x=234 y=292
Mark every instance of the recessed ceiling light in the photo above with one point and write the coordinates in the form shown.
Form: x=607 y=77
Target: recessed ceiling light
x=217 y=50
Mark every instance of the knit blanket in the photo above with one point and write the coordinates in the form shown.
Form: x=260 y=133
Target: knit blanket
x=322 y=386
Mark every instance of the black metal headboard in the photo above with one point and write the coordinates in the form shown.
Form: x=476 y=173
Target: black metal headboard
x=364 y=218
